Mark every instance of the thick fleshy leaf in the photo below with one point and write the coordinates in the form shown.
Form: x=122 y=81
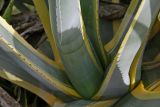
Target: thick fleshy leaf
x=140 y=97
x=113 y=46
x=82 y=67
x=45 y=48
x=34 y=63
x=88 y=103
x=137 y=34
x=43 y=13
x=90 y=14
x=108 y=28
x=155 y=29
x=116 y=23
x=150 y=75
x=152 y=51
x=35 y=88
x=135 y=69
x=151 y=65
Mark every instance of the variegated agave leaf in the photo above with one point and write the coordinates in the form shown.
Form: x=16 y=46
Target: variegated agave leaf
x=151 y=65
x=113 y=46
x=155 y=29
x=43 y=13
x=108 y=28
x=141 y=97
x=35 y=64
x=135 y=37
x=87 y=103
x=11 y=71
x=82 y=67
x=90 y=16
x=30 y=84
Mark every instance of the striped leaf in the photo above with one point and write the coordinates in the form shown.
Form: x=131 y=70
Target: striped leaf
x=135 y=69
x=40 y=67
x=155 y=29
x=113 y=46
x=140 y=97
x=137 y=34
x=82 y=66
x=108 y=28
x=151 y=49
x=43 y=13
x=88 y=103
x=35 y=87
x=151 y=65
x=90 y=14
x=151 y=54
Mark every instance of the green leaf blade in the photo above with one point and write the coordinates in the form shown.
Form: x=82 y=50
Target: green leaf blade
x=75 y=50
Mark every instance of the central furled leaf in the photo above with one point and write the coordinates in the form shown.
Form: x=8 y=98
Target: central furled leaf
x=81 y=63
x=90 y=15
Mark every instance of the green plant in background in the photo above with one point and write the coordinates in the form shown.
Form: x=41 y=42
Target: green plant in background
x=86 y=70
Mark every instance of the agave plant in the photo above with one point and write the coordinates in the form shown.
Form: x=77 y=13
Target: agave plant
x=96 y=63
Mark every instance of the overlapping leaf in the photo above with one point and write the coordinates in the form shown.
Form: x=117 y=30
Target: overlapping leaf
x=82 y=67
x=134 y=39
x=90 y=16
x=40 y=67
x=140 y=97
x=43 y=13
x=113 y=46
